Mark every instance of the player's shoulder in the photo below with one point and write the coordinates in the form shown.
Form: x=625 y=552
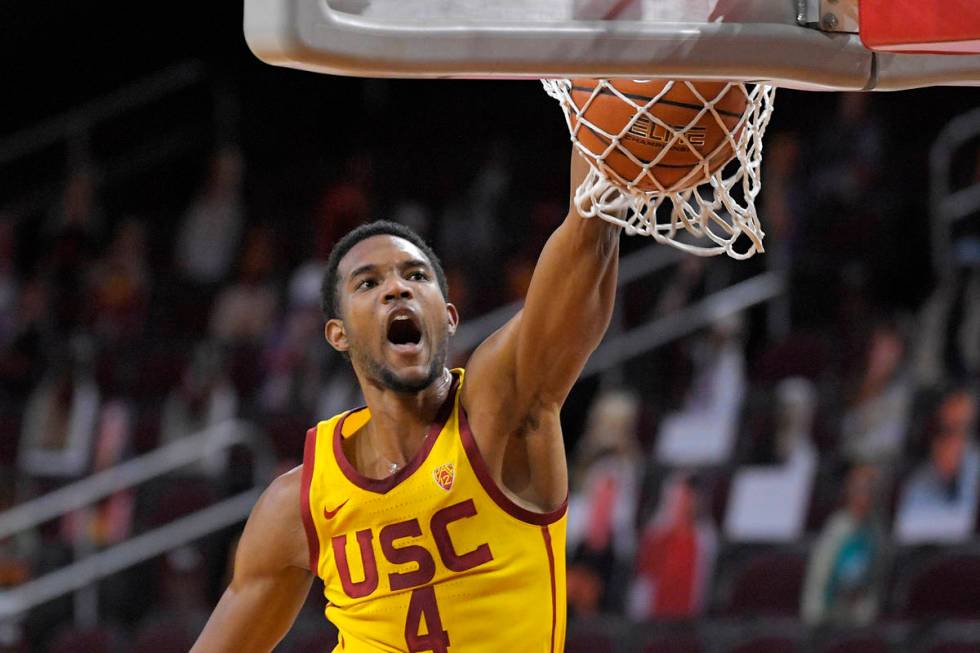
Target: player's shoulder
x=275 y=527
x=283 y=493
x=279 y=505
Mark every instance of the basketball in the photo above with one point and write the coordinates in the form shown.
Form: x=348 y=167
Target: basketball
x=678 y=168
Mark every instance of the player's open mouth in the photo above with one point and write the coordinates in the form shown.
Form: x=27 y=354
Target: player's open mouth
x=404 y=331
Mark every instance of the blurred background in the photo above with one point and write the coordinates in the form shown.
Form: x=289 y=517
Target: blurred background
x=771 y=456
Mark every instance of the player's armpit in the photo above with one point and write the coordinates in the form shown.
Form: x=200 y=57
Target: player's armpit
x=270 y=581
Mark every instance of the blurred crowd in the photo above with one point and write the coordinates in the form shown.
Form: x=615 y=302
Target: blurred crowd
x=812 y=489
x=814 y=459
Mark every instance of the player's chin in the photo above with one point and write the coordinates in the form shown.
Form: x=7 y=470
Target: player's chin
x=408 y=378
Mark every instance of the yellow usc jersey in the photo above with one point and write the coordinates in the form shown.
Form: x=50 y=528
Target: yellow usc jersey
x=436 y=557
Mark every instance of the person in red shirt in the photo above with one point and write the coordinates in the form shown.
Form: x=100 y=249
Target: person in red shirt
x=675 y=556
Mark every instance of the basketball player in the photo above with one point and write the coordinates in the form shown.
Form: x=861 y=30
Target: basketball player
x=435 y=515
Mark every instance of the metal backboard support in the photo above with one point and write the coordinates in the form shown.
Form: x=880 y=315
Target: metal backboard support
x=790 y=43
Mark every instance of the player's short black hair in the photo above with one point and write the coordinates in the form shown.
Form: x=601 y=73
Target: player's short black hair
x=329 y=301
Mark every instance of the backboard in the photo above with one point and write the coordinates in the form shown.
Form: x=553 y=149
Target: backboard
x=934 y=26
x=806 y=44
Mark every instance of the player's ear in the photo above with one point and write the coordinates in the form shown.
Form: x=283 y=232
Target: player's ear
x=336 y=334
x=453 y=317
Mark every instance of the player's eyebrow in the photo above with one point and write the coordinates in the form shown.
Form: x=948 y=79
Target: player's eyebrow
x=363 y=269
x=371 y=267
x=414 y=263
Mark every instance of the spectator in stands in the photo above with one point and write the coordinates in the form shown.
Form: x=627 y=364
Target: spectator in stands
x=703 y=432
x=676 y=554
x=209 y=234
x=474 y=216
x=769 y=502
x=939 y=500
x=244 y=312
x=947 y=342
x=121 y=285
x=71 y=237
x=61 y=414
x=414 y=215
x=845 y=575
x=293 y=357
x=78 y=210
x=345 y=202
x=204 y=398
x=875 y=424
x=602 y=505
x=110 y=520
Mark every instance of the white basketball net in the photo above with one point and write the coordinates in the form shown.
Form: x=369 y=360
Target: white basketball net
x=714 y=213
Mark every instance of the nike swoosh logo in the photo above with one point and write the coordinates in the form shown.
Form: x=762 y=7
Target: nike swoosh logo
x=329 y=514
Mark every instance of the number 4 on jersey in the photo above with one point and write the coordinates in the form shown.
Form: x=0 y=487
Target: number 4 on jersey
x=423 y=604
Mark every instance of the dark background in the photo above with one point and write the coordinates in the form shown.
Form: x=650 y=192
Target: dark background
x=56 y=56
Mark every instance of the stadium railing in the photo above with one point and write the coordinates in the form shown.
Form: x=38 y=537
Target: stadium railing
x=130 y=474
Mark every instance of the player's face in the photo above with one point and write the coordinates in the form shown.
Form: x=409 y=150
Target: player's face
x=395 y=322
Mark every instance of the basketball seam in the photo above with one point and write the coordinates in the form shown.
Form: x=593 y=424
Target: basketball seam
x=605 y=141
x=672 y=103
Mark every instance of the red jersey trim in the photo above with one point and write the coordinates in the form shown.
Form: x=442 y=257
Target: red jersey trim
x=384 y=485
x=554 y=592
x=490 y=486
x=312 y=540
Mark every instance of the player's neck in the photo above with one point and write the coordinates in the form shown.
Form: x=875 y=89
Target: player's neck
x=400 y=422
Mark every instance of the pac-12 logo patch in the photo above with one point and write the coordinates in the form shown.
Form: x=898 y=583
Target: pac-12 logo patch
x=444 y=475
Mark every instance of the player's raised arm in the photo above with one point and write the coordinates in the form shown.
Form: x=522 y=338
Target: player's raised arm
x=519 y=377
x=271 y=579
x=569 y=303
x=543 y=349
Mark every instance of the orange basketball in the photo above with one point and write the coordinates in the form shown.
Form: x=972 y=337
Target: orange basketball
x=679 y=167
